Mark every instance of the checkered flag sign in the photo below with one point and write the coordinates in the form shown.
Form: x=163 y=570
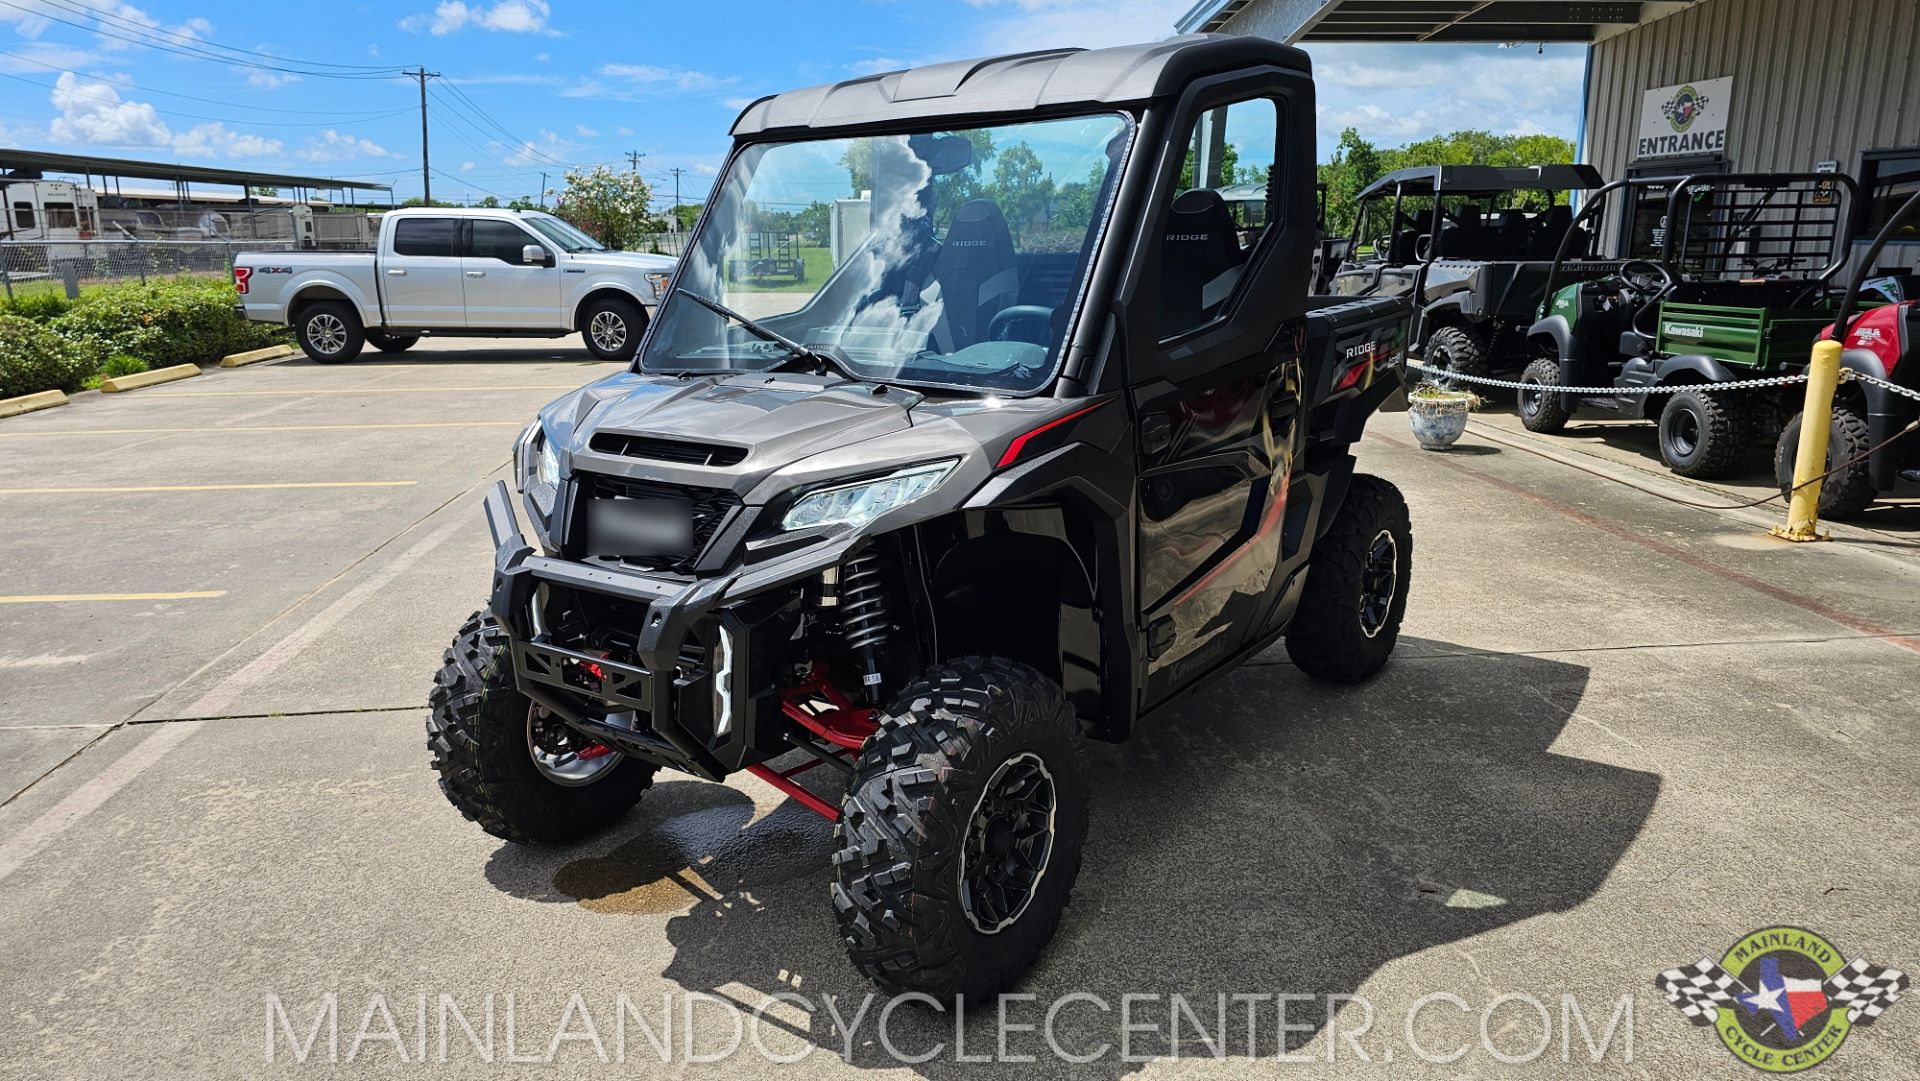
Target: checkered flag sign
x=1700 y=989
x=1865 y=989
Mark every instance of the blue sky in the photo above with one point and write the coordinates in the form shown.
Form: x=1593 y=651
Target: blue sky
x=534 y=85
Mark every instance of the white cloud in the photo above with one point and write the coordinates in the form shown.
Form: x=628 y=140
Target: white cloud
x=1026 y=25
x=737 y=104
x=1394 y=94
x=585 y=132
x=877 y=65
x=466 y=167
x=269 y=80
x=546 y=149
x=624 y=130
x=330 y=145
x=542 y=57
x=634 y=82
x=93 y=113
x=511 y=16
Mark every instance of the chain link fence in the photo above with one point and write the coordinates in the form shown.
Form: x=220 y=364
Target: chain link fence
x=65 y=266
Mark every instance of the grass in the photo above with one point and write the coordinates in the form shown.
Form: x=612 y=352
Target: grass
x=819 y=264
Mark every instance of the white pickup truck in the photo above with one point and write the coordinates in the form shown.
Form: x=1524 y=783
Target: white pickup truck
x=456 y=273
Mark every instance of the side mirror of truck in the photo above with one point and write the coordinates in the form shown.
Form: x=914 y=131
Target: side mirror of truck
x=533 y=255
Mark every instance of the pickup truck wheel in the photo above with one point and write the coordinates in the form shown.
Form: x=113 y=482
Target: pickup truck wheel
x=960 y=833
x=392 y=343
x=1356 y=591
x=1846 y=493
x=1542 y=410
x=1453 y=349
x=612 y=329
x=330 y=332
x=1700 y=434
x=523 y=776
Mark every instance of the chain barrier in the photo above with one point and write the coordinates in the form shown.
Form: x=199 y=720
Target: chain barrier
x=1510 y=384
x=1846 y=374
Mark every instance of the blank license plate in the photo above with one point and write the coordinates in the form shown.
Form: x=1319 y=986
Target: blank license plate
x=639 y=527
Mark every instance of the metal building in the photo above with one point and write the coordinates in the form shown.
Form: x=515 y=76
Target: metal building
x=1683 y=86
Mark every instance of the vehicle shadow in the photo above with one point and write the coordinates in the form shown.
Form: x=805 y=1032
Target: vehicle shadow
x=1269 y=835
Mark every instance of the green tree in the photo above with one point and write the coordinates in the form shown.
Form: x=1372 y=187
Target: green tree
x=612 y=207
x=523 y=202
x=1020 y=187
x=491 y=202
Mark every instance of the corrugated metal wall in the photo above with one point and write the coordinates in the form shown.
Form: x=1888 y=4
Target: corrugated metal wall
x=1814 y=80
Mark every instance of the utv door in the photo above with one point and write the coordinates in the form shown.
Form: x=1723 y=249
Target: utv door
x=1216 y=397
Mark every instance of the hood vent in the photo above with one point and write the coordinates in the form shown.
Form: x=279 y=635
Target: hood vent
x=667 y=450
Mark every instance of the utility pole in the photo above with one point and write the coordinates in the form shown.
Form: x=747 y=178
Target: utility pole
x=633 y=159
x=543 y=191
x=676 y=197
x=426 y=173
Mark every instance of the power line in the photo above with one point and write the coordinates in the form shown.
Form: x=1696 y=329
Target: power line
x=193 y=53
x=486 y=119
x=215 y=119
x=130 y=85
x=191 y=40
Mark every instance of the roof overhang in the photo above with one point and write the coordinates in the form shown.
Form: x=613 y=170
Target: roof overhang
x=34 y=163
x=1299 y=22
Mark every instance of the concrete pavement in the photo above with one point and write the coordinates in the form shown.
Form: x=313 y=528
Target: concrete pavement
x=1619 y=734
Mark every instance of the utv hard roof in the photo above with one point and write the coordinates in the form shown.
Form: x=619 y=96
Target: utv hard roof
x=1425 y=179
x=1016 y=83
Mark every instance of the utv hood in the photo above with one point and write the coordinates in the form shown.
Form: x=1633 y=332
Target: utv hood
x=751 y=425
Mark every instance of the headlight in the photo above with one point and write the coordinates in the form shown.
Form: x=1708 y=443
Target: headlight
x=854 y=504
x=539 y=468
x=658 y=279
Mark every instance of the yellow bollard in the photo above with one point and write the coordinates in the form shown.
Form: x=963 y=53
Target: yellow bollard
x=1810 y=460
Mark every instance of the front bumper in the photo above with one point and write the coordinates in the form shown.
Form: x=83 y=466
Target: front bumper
x=691 y=703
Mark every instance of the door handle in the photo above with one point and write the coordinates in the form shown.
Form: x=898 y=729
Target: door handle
x=1156 y=433
x=396 y=272
x=476 y=273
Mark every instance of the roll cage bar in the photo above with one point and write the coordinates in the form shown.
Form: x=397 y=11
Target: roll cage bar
x=1753 y=195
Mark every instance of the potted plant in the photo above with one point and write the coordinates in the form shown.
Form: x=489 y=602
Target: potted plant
x=1439 y=414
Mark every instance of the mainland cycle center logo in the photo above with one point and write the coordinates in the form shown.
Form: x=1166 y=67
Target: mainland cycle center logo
x=1782 y=998
x=1684 y=107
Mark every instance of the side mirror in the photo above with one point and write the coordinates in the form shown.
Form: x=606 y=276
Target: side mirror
x=533 y=255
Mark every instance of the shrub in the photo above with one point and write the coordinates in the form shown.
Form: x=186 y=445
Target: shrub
x=34 y=358
x=122 y=364
x=40 y=307
x=183 y=321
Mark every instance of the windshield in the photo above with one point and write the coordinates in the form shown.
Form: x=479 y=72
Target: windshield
x=566 y=236
x=951 y=259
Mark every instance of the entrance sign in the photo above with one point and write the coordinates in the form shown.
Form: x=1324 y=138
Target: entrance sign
x=1688 y=119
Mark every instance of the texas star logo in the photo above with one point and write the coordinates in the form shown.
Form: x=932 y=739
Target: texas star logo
x=1782 y=999
x=1684 y=107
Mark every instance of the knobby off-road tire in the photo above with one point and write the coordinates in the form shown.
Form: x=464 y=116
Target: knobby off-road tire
x=1356 y=591
x=1543 y=410
x=612 y=328
x=330 y=332
x=928 y=788
x=1456 y=350
x=477 y=731
x=392 y=343
x=1701 y=434
x=1846 y=493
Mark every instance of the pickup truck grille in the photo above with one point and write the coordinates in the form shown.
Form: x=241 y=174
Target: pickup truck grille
x=656 y=449
x=711 y=507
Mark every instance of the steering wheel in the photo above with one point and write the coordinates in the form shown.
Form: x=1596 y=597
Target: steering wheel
x=1646 y=276
x=1007 y=321
x=1650 y=281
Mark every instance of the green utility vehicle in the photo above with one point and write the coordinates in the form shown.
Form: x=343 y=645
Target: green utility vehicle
x=1721 y=278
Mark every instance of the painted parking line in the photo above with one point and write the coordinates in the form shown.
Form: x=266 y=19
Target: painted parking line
x=273 y=428
x=86 y=799
x=212 y=487
x=303 y=392
x=62 y=598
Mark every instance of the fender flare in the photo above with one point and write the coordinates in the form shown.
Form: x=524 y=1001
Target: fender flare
x=303 y=285
x=1709 y=369
x=605 y=285
x=1556 y=329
